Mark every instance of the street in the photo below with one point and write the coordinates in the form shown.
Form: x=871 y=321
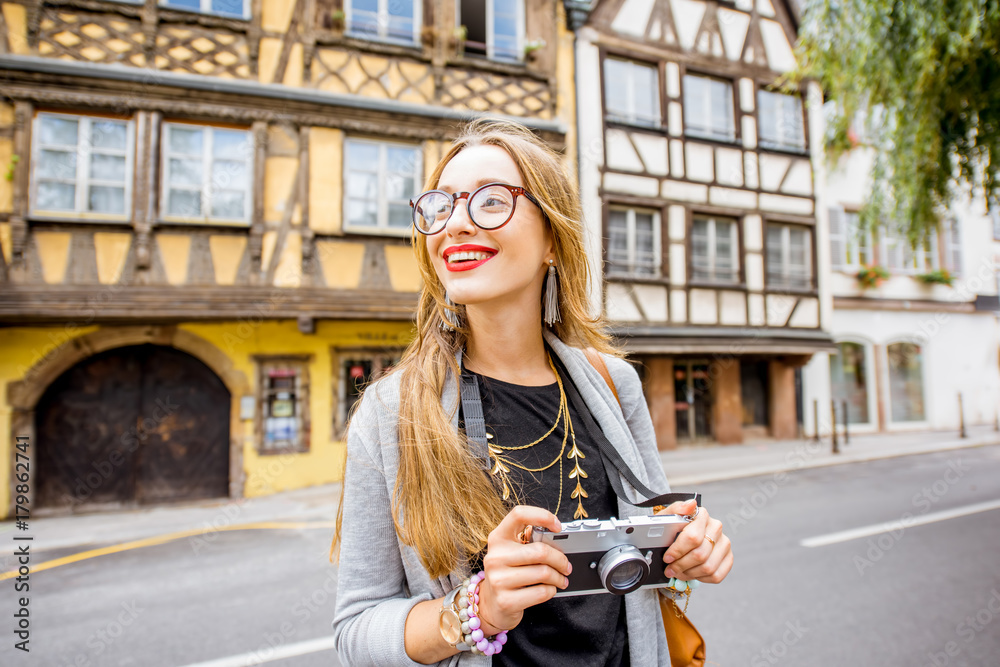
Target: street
x=923 y=593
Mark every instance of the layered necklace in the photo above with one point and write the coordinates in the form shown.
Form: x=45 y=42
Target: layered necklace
x=502 y=462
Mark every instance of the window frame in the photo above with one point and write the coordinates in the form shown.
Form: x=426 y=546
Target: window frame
x=994 y=217
x=383 y=23
x=630 y=117
x=300 y=363
x=207 y=159
x=892 y=423
x=903 y=259
x=84 y=149
x=381 y=226
x=713 y=250
x=245 y=16
x=628 y=271
x=490 y=30
x=731 y=97
x=779 y=144
x=787 y=281
x=871 y=384
x=383 y=358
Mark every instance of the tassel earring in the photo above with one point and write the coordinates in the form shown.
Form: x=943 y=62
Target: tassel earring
x=551 y=298
x=450 y=322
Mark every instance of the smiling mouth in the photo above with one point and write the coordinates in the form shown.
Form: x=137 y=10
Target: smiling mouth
x=468 y=256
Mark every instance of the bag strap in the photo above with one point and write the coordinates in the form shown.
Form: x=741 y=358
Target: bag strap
x=614 y=465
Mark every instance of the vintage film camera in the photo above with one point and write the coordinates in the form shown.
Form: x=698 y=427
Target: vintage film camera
x=615 y=556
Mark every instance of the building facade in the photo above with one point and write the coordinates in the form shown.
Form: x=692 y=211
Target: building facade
x=915 y=328
x=697 y=175
x=205 y=228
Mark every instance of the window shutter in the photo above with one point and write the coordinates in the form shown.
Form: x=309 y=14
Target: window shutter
x=953 y=247
x=838 y=238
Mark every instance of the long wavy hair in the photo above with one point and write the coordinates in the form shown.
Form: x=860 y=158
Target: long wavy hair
x=445 y=505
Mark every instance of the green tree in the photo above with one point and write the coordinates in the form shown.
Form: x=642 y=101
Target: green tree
x=920 y=81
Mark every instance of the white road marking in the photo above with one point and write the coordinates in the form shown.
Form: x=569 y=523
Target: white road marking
x=269 y=654
x=898 y=524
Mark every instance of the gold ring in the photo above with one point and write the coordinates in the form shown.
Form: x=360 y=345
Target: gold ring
x=524 y=536
x=710 y=540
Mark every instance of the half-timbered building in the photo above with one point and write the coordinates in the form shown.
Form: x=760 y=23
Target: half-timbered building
x=697 y=169
x=205 y=229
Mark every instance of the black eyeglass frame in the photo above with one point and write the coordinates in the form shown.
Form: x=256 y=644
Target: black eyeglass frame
x=467 y=196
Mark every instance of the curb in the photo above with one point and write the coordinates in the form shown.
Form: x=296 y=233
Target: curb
x=821 y=463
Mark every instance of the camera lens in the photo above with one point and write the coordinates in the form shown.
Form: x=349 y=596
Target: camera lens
x=623 y=569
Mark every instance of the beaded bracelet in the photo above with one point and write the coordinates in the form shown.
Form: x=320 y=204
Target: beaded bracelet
x=472 y=628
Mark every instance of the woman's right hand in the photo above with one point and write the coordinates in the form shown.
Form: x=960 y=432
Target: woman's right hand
x=519 y=575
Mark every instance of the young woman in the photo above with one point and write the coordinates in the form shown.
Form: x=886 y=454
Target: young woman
x=420 y=512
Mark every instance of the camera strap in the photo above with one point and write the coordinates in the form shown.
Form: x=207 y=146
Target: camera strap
x=475 y=423
x=614 y=465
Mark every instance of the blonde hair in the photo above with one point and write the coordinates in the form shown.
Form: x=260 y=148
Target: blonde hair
x=444 y=505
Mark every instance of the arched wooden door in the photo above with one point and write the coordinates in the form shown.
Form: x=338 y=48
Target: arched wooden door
x=134 y=425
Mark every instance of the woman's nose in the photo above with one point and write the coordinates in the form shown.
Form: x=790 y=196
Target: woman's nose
x=460 y=222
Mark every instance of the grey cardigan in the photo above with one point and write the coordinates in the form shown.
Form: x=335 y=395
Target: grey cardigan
x=380 y=579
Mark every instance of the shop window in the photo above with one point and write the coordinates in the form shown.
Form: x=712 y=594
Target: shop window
x=207 y=174
x=906 y=382
x=82 y=167
x=493 y=28
x=283 y=404
x=780 y=121
x=850 y=247
x=708 y=108
x=354 y=371
x=380 y=179
x=755 y=391
x=631 y=92
x=234 y=8
x=849 y=381
x=394 y=20
x=714 y=250
x=633 y=243
x=789 y=257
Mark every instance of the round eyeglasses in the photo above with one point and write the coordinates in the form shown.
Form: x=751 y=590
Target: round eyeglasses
x=490 y=207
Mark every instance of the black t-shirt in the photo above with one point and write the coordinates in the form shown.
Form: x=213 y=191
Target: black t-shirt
x=586 y=630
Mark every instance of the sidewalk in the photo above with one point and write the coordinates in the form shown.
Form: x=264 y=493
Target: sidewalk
x=318 y=505
x=709 y=463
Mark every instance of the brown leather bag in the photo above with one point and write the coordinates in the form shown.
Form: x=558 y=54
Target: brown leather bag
x=687 y=646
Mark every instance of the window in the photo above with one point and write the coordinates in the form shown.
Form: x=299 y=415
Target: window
x=900 y=255
x=780 y=121
x=283 y=404
x=850 y=247
x=380 y=179
x=357 y=369
x=849 y=381
x=82 y=167
x=995 y=218
x=708 y=108
x=906 y=382
x=237 y=8
x=493 y=28
x=397 y=20
x=206 y=174
x=714 y=250
x=633 y=242
x=789 y=257
x=632 y=92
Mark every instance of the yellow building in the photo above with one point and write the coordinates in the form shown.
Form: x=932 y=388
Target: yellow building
x=205 y=229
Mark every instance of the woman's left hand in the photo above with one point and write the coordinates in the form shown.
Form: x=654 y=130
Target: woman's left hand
x=701 y=551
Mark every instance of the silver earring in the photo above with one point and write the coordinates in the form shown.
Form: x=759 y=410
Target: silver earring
x=551 y=297
x=451 y=320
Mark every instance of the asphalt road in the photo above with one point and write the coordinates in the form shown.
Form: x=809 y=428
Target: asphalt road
x=925 y=594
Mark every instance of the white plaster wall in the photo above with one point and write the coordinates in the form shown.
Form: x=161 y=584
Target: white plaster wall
x=959 y=355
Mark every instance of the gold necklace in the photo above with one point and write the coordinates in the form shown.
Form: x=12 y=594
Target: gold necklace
x=502 y=463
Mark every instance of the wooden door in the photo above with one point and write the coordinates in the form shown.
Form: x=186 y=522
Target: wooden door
x=135 y=425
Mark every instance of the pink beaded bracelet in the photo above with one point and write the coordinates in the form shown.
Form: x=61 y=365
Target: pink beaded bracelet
x=475 y=638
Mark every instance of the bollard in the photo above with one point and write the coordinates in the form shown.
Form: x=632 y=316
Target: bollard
x=847 y=437
x=816 y=419
x=961 y=418
x=833 y=425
